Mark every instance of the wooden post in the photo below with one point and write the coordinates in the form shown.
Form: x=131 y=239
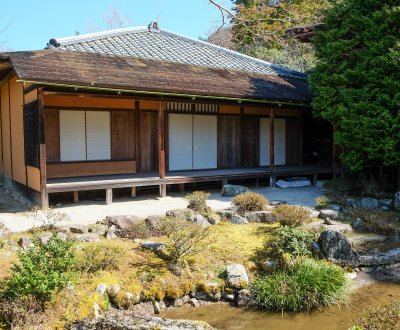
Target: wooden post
x=272 y=146
x=137 y=136
x=333 y=155
x=109 y=196
x=314 y=179
x=161 y=134
x=181 y=187
x=224 y=182
x=133 y=192
x=76 y=196
x=163 y=190
x=44 y=196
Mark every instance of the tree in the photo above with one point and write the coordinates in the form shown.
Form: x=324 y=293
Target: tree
x=258 y=29
x=357 y=80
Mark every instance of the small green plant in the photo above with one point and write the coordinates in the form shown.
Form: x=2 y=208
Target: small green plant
x=42 y=270
x=185 y=239
x=50 y=218
x=198 y=201
x=292 y=216
x=286 y=240
x=250 y=202
x=321 y=202
x=101 y=256
x=308 y=285
x=383 y=317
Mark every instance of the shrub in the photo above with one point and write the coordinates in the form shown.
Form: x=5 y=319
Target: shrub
x=321 y=202
x=42 y=270
x=185 y=239
x=249 y=202
x=4 y=231
x=292 y=216
x=310 y=284
x=20 y=313
x=292 y=241
x=198 y=201
x=376 y=221
x=50 y=218
x=384 y=317
x=101 y=256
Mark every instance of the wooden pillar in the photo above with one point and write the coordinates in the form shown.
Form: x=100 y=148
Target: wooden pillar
x=182 y=187
x=76 y=196
x=161 y=142
x=163 y=190
x=137 y=136
x=224 y=182
x=44 y=196
x=272 y=146
x=133 y=191
x=333 y=155
x=314 y=179
x=109 y=196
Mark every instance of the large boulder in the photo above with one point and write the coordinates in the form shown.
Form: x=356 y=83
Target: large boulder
x=381 y=259
x=337 y=248
x=236 y=276
x=79 y=229
x=230 y=190
x=225 y=214
x=369 y=203
x=201 y=221
x=243 y=298
x=396 y=201
x=260 y=216
x=238 y=220
x=123 y=222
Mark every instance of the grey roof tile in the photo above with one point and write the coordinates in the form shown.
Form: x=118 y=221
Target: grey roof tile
x=142 y=42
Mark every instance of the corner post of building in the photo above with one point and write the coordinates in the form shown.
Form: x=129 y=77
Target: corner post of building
x=44 y=197
x=161 y=146
x=272 y=147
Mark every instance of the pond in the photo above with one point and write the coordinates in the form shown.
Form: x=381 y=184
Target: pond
x=223 y=316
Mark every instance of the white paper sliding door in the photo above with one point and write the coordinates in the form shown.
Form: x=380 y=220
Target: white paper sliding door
x=180 y=142
x=280 y=141
x=72 y=135
x=98 y=135
x=204 y=142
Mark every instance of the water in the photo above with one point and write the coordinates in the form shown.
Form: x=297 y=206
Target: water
x=223 y=316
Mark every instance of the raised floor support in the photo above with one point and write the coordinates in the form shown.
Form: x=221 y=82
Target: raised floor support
x=314 y=179
x=133 y=192
x=76 y=196
x=272 y=181
x=182 y=187
x=163 y=190
x=109 y=196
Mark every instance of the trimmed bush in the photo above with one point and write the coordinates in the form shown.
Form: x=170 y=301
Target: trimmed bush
x=101 y=256
x=250 y=202
x=42 y=270
x=321 y=202
x=198 y=201
x=384 y=317
x=292 y=216
x=292 y=241
x=310 y=284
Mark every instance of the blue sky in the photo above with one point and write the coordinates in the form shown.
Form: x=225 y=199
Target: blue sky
x=32 y=23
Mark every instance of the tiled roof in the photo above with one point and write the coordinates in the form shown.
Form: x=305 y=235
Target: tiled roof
x=91 y=70
x=161 y=45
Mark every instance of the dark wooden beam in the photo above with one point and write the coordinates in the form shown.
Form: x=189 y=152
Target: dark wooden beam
x=272 y=146
x=44 y=196
x=161 y=139
x=333 y=155
x=137 y=135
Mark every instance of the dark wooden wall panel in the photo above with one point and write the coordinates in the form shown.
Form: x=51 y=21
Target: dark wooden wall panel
x=228 y=141
x=294 y=141
x=250 y=141
x=122 y=135
x=52 y=134
x=148 y=142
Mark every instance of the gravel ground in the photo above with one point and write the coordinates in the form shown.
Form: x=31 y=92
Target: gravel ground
x=88 y=212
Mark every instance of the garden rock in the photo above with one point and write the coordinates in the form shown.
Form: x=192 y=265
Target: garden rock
x=101 y=288
x=228 y=296
x=153 y=221
x=396 y=201
x=277 y=202
x=214 y=219
x=130 y=320
x=237 y=276
x=337 y=248
x=200 y=221
x=386 y=202
x=358 y=225
x=269 y=266
x=381 y=259
x=187 y=214
x=157 y=307
x=111 y=233
x=335 y=207
x=4 y=231
x=328 y=221
x=199 y=295
x=79 y=229
x=62 y=236
x=99 y=229
x=193 y=302
x=260 y=216
x=178 y=302
x=123 y=222
x=369 y=203
x=25 y=243
x=143 y=308
x=238 y=220
x=326 y=213
x=152 y=246
x=89 y=237
x=243 y=298
x=44 y=238
x=113 y=290
x=316 y=248
x=230 y=190
x=351 y=202
x=225 y=214
x=212 y=291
